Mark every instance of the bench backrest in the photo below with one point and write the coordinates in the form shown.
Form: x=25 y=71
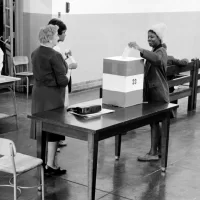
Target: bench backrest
x=181 y=79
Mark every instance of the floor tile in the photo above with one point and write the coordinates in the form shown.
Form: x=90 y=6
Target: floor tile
x=116 y=180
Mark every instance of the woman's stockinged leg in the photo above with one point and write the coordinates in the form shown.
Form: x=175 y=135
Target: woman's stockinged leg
x=51 y=167
x=155 y=141
x=155 y=138
x=51 y=155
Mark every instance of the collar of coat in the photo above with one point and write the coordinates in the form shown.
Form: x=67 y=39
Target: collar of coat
x=160 y=45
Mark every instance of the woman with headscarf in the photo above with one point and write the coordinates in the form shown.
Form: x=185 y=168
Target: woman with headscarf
x=50 y=80
x=156 y=89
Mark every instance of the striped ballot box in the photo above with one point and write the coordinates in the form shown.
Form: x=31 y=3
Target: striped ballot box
x=123 y=81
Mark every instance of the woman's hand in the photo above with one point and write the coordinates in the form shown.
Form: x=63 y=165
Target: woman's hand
x=68 y=53
x=135 y=46
x=69 y=74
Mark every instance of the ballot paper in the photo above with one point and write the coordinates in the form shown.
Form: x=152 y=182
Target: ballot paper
x=126 y=52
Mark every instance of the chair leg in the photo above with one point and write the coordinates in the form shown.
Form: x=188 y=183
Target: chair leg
x=15 y=187
x=27 y=86
x=42 y=181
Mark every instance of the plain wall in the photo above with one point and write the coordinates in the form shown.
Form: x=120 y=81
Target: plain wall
x=125 y=6
x=37 y=6
x=99 y=29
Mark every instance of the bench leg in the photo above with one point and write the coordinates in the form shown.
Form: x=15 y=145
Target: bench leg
x=190 y=103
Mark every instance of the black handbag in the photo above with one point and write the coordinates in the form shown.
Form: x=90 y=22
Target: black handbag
x=84 y=110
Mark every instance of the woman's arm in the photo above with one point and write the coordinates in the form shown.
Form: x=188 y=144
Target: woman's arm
x=179 y=62
x=155 y=57
x=60 y=69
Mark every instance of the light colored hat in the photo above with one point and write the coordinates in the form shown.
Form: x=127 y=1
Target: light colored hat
x=160 y=30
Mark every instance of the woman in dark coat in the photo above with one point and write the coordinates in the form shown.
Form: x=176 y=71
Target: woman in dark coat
x=50 y=80
x=155 y=82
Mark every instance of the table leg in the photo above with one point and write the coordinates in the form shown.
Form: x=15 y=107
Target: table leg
x=41 y=141
x=41 y=149
x=92 y=165
x=14 y=102
x=165 y=141
x=117 y=146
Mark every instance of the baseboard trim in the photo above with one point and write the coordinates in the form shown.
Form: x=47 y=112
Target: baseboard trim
x=86 y=85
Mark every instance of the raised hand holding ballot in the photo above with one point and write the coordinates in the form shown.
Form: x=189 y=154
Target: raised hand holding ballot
x=134 y=45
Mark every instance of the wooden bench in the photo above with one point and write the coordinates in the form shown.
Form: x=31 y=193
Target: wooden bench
x=188 y=80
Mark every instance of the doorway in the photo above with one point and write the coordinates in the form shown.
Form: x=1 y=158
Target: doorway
x=1 y=17
x=12 y=29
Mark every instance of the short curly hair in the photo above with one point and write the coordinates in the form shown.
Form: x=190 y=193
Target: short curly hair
x=46 y=33
x=60 y=24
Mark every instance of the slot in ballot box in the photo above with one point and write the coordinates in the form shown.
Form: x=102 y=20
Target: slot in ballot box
x=123 y=81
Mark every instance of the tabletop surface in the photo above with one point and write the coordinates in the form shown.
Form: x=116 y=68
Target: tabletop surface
x=61 y=117
x=8 y=79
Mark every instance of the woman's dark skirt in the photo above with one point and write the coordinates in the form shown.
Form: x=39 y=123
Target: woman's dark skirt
x=43 y=99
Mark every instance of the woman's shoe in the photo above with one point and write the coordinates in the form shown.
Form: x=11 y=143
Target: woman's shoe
x=159 y=154
x=62 y=143
x=148 y=157
x=51 y=171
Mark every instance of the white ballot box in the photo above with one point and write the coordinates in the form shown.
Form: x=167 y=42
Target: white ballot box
x=123 y=81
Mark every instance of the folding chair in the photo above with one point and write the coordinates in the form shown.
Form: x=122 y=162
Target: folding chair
x=18 y=61
x=17 y=164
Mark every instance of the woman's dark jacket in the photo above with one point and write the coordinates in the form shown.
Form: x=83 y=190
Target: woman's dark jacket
x=155 y=79
x=50 y=80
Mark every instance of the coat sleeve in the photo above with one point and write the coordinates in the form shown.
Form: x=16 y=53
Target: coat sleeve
x=173 y=61
x=60 y=70
x=157 y=58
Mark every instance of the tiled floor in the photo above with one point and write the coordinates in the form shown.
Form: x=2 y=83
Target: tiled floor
x=116 y=180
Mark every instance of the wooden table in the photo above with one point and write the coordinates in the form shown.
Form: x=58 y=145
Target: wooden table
x=108 y=125
x=8 y=82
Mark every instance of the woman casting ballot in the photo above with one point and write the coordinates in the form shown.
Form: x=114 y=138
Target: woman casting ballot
x=155 y=82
